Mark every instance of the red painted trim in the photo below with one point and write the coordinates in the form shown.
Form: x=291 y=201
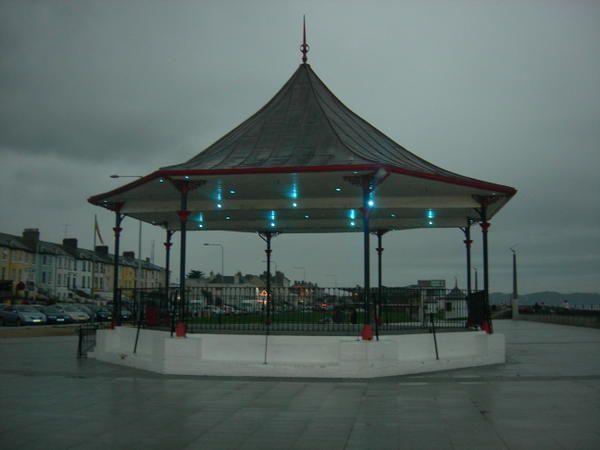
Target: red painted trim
x=183 y=215
x=468 y=242
x=459 y=181
x=484 y=226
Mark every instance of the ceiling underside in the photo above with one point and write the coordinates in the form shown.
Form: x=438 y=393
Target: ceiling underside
x=307 y=202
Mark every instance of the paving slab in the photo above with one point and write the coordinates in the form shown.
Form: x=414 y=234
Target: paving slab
x=547 y=396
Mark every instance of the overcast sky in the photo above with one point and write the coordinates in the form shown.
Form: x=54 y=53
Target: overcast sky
x=507 y=92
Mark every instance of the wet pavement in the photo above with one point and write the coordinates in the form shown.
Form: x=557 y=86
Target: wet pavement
x=547 y=396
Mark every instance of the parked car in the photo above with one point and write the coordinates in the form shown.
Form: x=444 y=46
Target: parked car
x=56 y=315
x=126 y=314
x=98 y=313
x=74 y=312
x=21 y=315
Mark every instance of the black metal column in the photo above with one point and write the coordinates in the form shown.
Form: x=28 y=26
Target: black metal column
x=367 y=331
x=467 y=231
x=485 y=225
x=116 y=312
x=168 y=245
x=379 y=282
x=183 y=213
x=268 y=251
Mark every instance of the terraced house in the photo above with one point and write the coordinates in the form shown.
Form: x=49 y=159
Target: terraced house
x=46 y=270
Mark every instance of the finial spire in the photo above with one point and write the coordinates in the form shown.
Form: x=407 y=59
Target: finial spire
x=304 y=48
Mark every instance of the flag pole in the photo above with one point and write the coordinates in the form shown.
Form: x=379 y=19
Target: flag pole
x=94 y=260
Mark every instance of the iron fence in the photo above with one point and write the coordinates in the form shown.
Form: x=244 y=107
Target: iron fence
x=295 y=310
x=578 y=315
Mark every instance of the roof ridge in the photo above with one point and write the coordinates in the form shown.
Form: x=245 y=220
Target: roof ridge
x=312 y=88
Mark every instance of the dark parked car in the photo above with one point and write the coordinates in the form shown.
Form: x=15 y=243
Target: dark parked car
x=56 y=315
x=21 y=315
x=99 y=313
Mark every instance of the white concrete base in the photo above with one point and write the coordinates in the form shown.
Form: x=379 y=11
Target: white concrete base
x=297 y=356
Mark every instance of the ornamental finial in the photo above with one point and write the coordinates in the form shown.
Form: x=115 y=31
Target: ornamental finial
x=304 y=48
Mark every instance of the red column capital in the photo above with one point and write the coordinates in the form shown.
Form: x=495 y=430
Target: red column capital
x=183 y=215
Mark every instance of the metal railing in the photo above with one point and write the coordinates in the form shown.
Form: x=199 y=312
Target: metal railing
x=578 y=315
x=295 y=310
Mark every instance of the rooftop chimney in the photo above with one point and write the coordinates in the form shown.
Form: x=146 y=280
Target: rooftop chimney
x=31 y=236
x=70 y=243
x=101 y=250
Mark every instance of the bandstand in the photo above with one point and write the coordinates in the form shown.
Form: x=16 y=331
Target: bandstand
x=304 y=163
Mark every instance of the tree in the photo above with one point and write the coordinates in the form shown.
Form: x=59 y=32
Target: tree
x=195 y=275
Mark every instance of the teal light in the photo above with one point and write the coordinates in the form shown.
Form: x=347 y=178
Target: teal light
x=430 y=214
x=219 y=205
x=430 y=222
x=232 y=191
x=352 y=214
x=352 y=223
x=392 y=215
x=294 y=205
x=272 y=224
x=306 y=216
x=272 y=215
x=294 y=191
x=338 y=189
x=161 y=180
x=371 y=201
x=200 y=225
x=186 y=178
x=227 y=217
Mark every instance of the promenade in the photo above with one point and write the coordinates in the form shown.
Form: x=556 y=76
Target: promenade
x=547 y=396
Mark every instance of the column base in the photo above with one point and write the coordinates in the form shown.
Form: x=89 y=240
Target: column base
x=180 y=329
x=367 y=333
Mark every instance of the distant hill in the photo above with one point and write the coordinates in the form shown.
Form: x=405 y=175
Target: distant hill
x=548 y=298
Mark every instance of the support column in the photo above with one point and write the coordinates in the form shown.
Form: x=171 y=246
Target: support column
x=168 y=244
x=485 y=225
x=183 y=213
x=467 y=231
x=266 y=236
x=367 y=331
x=268 y=252
x=379 y=234
x=515 y=296
x=116 y=312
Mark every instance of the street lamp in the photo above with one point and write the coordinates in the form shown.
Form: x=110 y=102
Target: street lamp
x=331 y=275
x=272 y=262
x=208 y=244
x=138 y=275
x=303 y=269
x=515 y=295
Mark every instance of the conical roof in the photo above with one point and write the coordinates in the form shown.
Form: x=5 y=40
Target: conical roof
x=295 y=165
x=306 y=125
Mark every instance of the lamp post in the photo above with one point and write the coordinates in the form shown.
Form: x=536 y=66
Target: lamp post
x=208 y=244
x=303 y=269
x=138 y=275
x=331 y=275
x=476 y=287
x=272 y=262
x=515 y=295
